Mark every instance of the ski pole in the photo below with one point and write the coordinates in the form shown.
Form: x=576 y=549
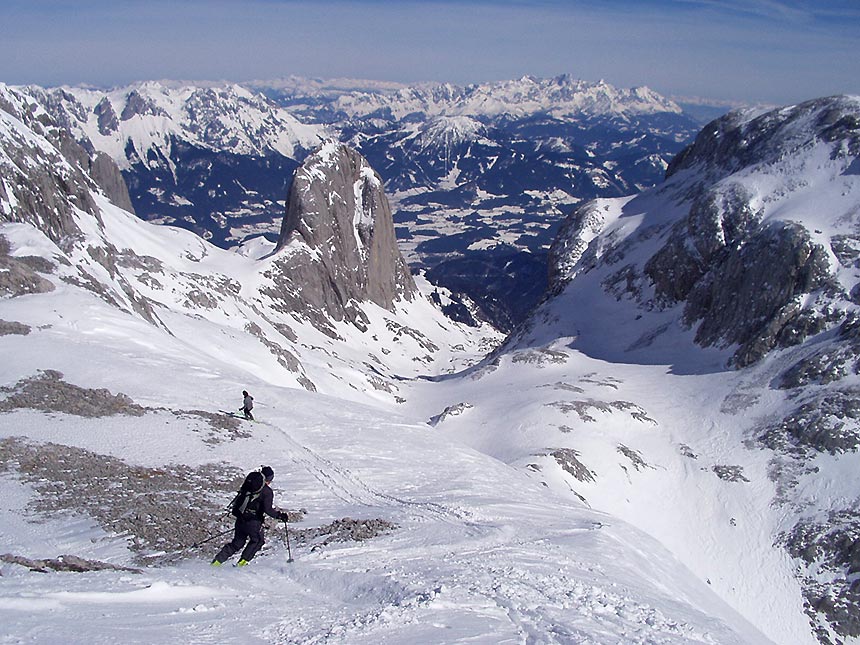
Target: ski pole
x=209 y=539
x=287 y=541
x=195 y=545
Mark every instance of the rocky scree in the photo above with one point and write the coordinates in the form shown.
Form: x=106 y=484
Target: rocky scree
x=21 y=275
x=140 y=504
x=829 y=548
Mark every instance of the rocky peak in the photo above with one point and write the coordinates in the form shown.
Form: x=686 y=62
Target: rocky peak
x=732 y=235
x=744 y=138
x=107 y=119
x=138 y=105
x=337 y=240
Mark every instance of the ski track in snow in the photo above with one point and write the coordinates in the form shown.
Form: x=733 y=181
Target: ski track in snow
x=349 y=488
x=520 y=585
x=450 y=573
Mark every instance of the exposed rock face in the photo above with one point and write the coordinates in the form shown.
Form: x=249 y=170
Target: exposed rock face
x=107 y=119
x=138 y=104
x=742 y=277
x=39 y=187
x=337 y=241
x=745 y=292
x=43 y=185
x=746 y=276
x=21 y=276
x=107 y=175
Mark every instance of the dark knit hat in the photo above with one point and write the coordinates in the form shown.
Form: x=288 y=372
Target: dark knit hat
x=268 y=473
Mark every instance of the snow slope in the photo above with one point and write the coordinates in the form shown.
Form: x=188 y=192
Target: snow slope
x=481 y=552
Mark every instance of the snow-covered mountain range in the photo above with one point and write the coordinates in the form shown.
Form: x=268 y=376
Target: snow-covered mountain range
x=479 y=176
x=664 y=452
x=526 y=96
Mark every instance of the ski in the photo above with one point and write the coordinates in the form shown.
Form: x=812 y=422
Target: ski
x=236 y=415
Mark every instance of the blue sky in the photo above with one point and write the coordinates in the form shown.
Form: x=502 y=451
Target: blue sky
x=772 y=51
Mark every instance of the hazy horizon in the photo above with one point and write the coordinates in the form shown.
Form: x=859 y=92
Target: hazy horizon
x=730 y=51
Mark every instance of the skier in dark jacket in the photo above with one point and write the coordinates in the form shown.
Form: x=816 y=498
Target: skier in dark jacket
x=249 y=525
x=247 y=405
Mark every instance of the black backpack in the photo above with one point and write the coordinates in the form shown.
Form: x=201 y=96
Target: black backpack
x=248 y=493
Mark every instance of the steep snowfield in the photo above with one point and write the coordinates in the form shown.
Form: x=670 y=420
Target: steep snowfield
x=481 y=552
x=647 y=446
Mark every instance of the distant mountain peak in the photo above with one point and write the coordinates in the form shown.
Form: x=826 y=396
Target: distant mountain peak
x=529 y=94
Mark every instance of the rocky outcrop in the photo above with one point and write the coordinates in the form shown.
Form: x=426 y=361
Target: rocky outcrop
x=139 y=105
x=764 y=224
x=337 y=246
x=108 y=122
x=20 y=276
x=744 y=291
x=64 y=563
x=107 y=175
x=753 y=242
x=45 y=184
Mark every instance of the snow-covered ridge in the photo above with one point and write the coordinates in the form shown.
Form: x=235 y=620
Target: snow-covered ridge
x=148 y=115
x=753 y=137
